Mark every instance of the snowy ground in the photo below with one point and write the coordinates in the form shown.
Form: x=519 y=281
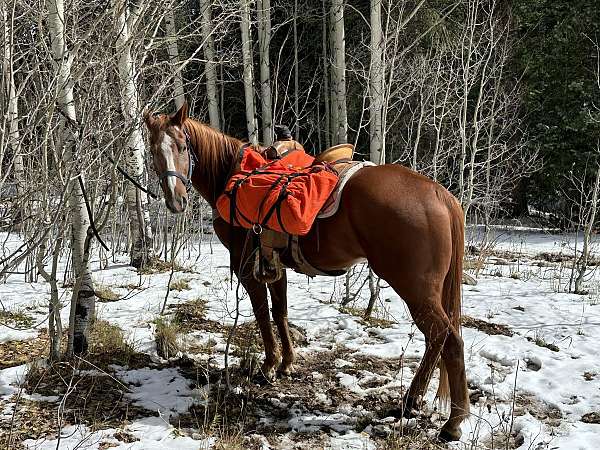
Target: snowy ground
x=531 y=356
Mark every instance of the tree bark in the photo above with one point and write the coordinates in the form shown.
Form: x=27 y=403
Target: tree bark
x=137 y=201
x=84 y=302
x=338 y=71
x=210 y=67
x=377 y=153
x=327 y=96
x=248 y=72
x=11 y=145
x=173 y=52
x=264 y=40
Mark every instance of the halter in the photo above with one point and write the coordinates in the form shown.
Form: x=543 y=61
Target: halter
x=187 y=181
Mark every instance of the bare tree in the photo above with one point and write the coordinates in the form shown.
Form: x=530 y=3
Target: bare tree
x=264 y=40
x=137 y=200
x=84 y=299
x=171 y=36
x=248 y=71
x=338 y=72
x=209 y=66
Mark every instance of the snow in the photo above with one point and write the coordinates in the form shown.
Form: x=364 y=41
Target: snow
x=520 y=368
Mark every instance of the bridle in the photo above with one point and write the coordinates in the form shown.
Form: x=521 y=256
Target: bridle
x=187 y=181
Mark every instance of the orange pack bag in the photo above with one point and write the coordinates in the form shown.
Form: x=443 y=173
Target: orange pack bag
x=283 y=195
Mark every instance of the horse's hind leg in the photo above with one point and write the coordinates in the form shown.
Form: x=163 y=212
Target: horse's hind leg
x=432 y=321
x=453 y=355
x=278 y=292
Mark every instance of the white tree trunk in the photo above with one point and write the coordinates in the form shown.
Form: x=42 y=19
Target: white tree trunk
x=210 y=67
x=338 y=72
x=377 y=129
x=137 y=201
x=84 y=302
x=12 y=142
x=325 y=61
x=264 y=41
x=173 y=52
x=248 y=72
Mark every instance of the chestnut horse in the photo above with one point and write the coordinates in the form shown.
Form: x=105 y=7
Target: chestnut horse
x=409 y=228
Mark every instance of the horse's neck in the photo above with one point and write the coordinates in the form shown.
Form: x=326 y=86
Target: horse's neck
x=216 y=154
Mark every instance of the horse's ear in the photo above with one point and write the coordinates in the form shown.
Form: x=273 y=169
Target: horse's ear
x=179 y=117
x=148 y=118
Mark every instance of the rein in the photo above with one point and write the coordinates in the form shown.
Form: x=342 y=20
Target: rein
x=187 y=181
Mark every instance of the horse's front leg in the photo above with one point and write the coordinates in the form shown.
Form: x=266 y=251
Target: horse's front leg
x=258 y=297
x=278 y=292
x=237 y=242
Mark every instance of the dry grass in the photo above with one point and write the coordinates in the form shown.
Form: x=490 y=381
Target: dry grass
x=166 y=336
x=15 y=318
x=180 y=284
x=376 y=319
x=191 y=315
x=411 y=439
x=157 y=265
x=108 y=345
x=486 y=327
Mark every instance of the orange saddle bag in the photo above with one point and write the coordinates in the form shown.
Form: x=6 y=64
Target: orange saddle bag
x=284 y=195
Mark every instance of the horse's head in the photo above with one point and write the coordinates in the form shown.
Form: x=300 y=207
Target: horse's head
x=172 y=159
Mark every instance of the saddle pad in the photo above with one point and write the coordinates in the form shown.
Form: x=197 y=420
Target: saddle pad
x=284 y=195
x=333 y=202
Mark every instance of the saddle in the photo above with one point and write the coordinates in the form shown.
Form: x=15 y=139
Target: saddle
x=278 y=249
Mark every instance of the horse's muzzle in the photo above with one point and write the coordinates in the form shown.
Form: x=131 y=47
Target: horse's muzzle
x=176 y=205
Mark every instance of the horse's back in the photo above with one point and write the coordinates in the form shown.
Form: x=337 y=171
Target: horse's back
x=386 y=213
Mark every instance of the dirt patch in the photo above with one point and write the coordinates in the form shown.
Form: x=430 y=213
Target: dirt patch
x=592 y=417
x=549 y=414
x=310 y=398
x=486 y=327
x=16 y=353
x=72 y=395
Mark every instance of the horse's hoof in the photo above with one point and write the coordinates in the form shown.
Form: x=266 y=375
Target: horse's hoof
x=449 y=436
x=408 y=410
x=400 y=413
x=268 y=373
x=286 y=369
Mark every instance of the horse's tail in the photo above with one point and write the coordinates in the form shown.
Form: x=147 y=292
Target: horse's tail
x=451 y=295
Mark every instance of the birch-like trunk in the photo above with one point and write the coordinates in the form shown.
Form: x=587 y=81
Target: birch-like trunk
x=12 y=143
x=173 y=52
x=338 y=72
x=83 y=303
x=325 y=61
x=210 y=65
x=582 y=263
x=137 y=201
x=264 y=41
x=248 y=72
x=377 y=153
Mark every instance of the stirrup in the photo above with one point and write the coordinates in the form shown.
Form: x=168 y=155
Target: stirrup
x=267 y=271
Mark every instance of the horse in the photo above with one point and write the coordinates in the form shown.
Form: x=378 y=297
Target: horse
x=409 y=228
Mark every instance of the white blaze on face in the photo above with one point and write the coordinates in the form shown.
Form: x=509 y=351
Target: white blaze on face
x=166 y=147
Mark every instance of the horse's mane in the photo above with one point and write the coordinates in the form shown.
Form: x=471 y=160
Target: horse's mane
x=215 y=152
